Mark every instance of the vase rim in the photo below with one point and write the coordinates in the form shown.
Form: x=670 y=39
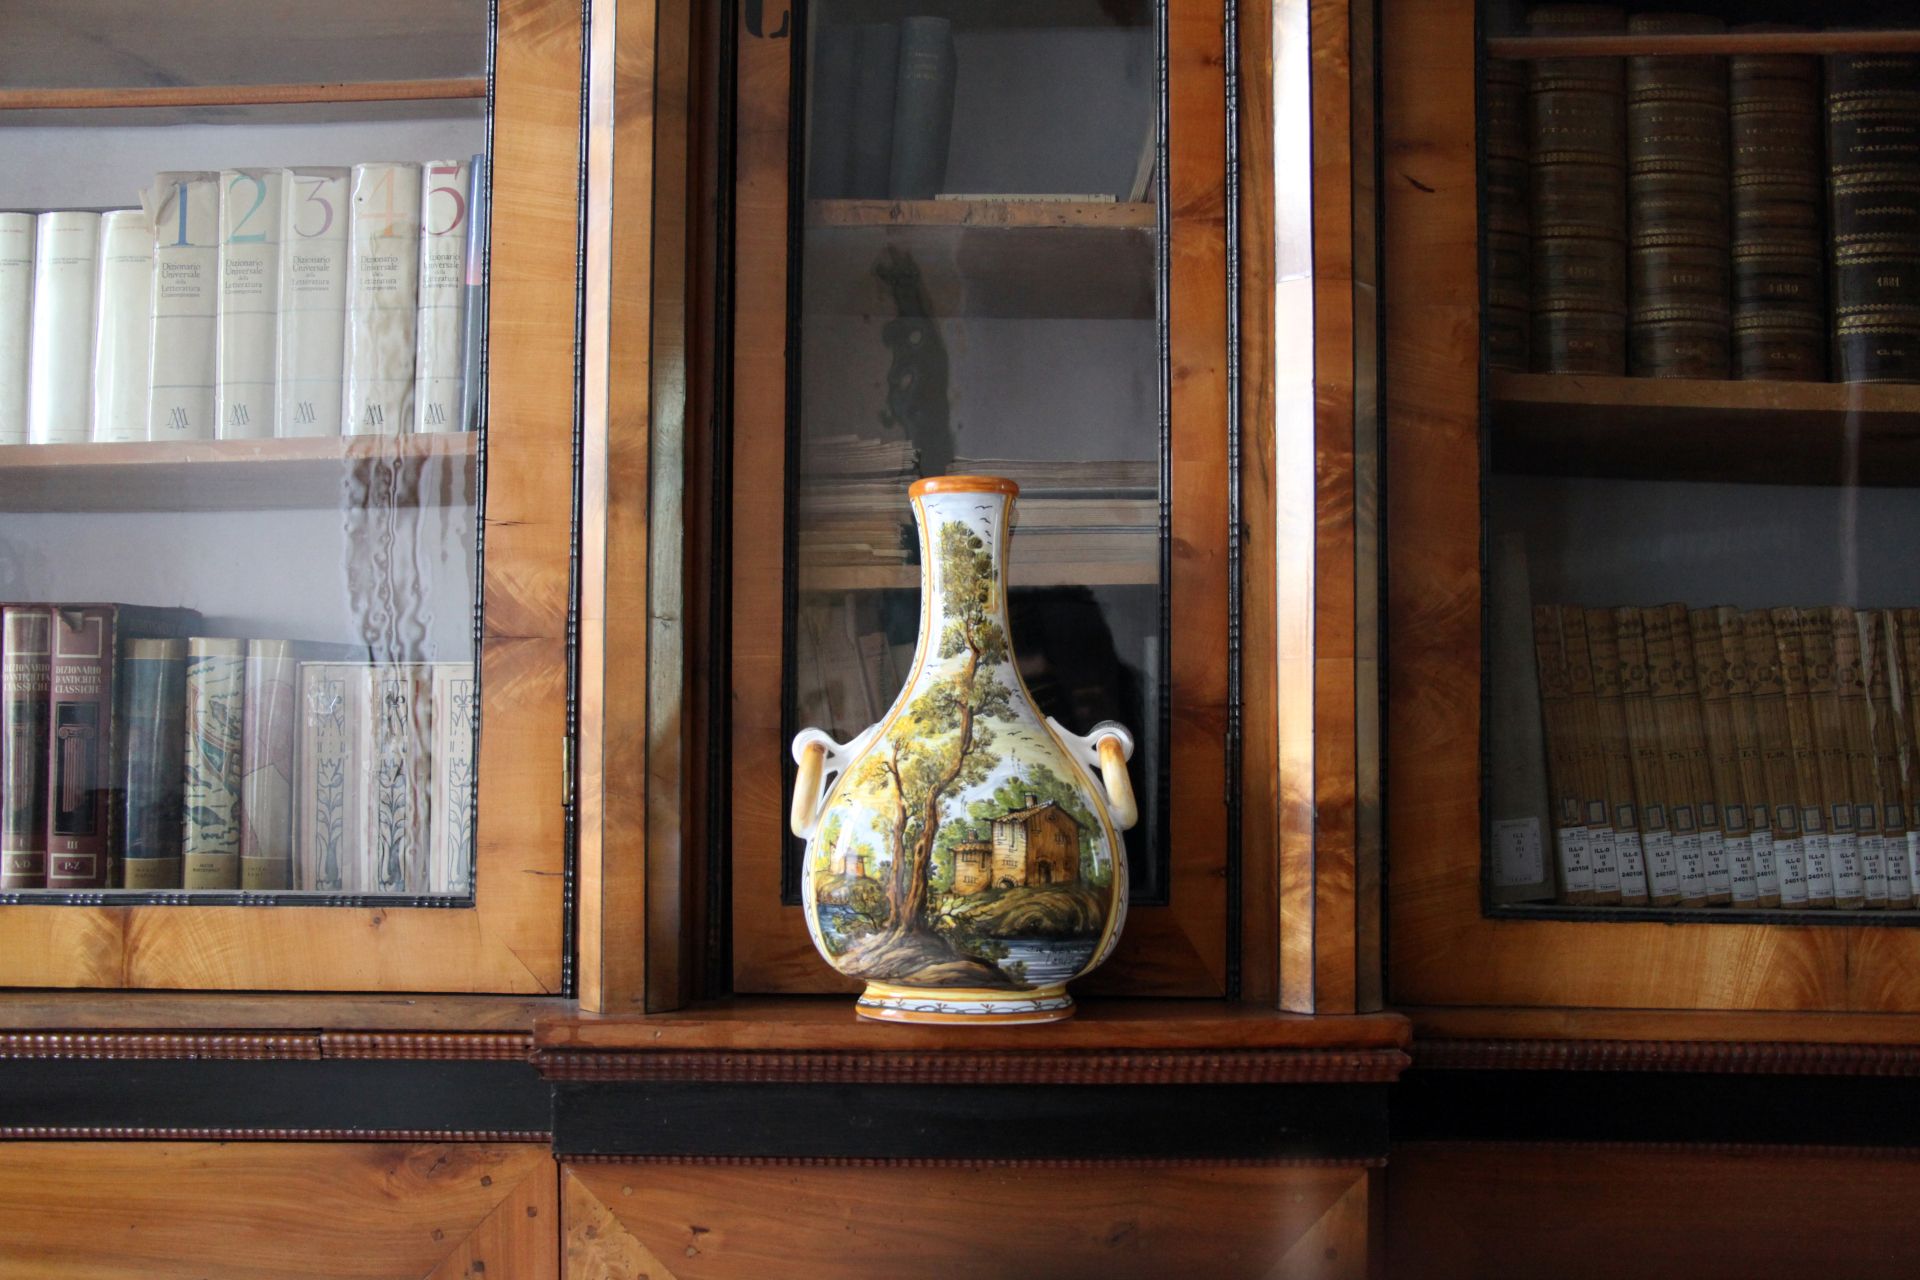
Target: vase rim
x=963 y=484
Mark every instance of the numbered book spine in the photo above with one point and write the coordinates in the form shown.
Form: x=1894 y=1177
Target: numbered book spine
x=1712 y=672
x=17 y=234
x=1677 y=192
x=1809 y=793
x=1773 y=730
x=267 y=733
x=383 y=287
x=1873 y=168
x=1879 y=641
x=473 y=325
x=1862 y=779
x=1673 y=697
x=26 y=665
x=1572 y=850
x=335 y=705
x=1590 y=757
x=154 y=680
x=122 y=327
x=80 y=749
x=1577 y=140
x=216 y=697
x=450 y=864
x=1713 y=844
x=247 y=404
x=1648 y=748
x=1830 y=747
x=181 y=356
x=439 y=329
x=1750 y=779
x=403 y=736
x=60 y=376
x=923 y=109
x=312 y=335
x=1779 y=257
x=1504 y=319
x=1617 y=758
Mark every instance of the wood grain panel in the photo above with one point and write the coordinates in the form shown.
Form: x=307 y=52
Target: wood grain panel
x=695 y=1222
x=510 y=942
x=267 y=1211
x=1490 y=1211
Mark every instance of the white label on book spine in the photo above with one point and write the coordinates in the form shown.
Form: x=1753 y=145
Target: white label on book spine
x=1606 y=867
x=122 y=326
x=1713 y=850
x=1765 y=874
x=1814 y=852
x=1873 y=867
x=1790 y=858
x=313 y=302
x=248 y=402
x=1692 y=862
x=1894 y=849
x=1576 y=859
x=1843 y=856
x=185 y=211
x=16 y=323
x=1516 y=852
x=439 y=359
x=1663 y=869
x=383 y=285
x=1744 y=885
x=60 y=379
x=1633 y=865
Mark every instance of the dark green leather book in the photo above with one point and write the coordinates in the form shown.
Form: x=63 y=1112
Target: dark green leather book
x=1779 y=272
x=922 y=108
x=1873 y=186
x=876 y=50
x=153 y=716
x=830 y=89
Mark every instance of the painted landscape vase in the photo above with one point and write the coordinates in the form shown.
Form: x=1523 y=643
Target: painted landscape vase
x=961 y=858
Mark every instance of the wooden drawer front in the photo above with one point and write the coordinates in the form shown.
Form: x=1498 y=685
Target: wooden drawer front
x=690 y=1221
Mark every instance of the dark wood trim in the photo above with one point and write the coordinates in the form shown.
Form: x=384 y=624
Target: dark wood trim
x=22 y=1011
x=925 y=1162
x=52 y=1133
x=1743 y=1057
x=1177 y=1067
x=1759 y=1150
x=437 y=1046
x=157 y=1044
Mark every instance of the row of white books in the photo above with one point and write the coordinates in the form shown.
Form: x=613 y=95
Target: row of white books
x=249 y=304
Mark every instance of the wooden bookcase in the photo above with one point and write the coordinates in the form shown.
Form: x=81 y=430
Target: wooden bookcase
x=1453 y=429
x=510 y=940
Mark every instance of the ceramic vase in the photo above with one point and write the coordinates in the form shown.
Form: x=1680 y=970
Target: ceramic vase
x=962 y=860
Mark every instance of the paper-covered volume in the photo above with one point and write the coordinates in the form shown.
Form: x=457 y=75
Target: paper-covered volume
x=60 y=374
x=450 y=862
x=215 y=696
x=313 y=301
x=26 y=661
x=247 y=401
x=335 y=704
x=122 y=326
x=402 y=738
x=16 y=322
x=267 y=735
x=185 y=211
x=439 y=355
x=153 y=711
x=383 y=286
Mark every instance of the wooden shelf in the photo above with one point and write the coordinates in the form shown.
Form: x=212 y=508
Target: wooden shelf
x=1053 y=214
x=240 y=95
x=906 y=577
x=1809 y=433
x=1718 y=42
x=240 y=475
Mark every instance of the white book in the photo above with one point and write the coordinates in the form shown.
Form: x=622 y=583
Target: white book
x=383 y=286
x=450 y=860
x=184 y=208
x=247 y=402
x=60 y=373
x=313 y=301
x=336 y=700
x=16 y=323
x=402 y=740
x=439 y=351
x=122 y=326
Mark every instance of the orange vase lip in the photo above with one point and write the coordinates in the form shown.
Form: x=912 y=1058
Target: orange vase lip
x=963 y=484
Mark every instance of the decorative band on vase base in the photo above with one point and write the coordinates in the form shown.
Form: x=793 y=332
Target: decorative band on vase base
x=884 y=1002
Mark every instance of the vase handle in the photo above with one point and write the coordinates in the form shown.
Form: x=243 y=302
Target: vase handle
x=820 y=759
x=1107 y=749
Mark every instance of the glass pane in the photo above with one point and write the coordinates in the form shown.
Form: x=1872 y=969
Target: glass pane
x=979 y=267
x=1702 y=327
x=241 y=313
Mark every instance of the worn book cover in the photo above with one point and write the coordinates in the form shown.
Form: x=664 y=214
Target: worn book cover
x=440 y=328
x=383 y=292
x=1903 y=675
x=1572 y=846
x=247 y=327
x=1610 y=716
x=1862 y=782
x=455 y=704
x=1779 y=764
x=403 y=738
x=1711 y=669
x=26 y=662
x=310 y=341
x=1672 y=699
x=336 y=700
x=153 y=714
x=1590 y=756
x=60 y=379
x=1779 y=181
x=1873 y=168
x=1750 y=763
x=1830 y=746
x=1713 y=847
x=16 y=322
x=122 y=326
x=1878 y=647
x=182 y=357
x=267 y=734
x=1649 y=758
x=216 y=705
x=1809 y=788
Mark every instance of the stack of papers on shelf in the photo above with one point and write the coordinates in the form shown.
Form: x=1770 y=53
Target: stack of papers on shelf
x=852 y=503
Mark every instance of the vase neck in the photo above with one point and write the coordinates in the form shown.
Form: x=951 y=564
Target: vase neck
x=963 y=561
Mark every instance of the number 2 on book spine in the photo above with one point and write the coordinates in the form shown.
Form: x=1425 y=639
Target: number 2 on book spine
x=259 y=198
x=455 y=194
x=314 y=197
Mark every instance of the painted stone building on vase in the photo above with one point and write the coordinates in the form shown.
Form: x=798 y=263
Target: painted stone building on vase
x=1037 y=845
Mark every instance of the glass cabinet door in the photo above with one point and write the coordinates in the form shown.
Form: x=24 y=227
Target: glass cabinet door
x=1701 y=328
x=243 y=317
x=976 y=256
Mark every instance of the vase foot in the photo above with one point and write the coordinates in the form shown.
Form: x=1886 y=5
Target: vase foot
x=884 y=1002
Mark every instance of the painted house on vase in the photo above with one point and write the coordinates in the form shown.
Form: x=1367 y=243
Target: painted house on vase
x=1036 y=845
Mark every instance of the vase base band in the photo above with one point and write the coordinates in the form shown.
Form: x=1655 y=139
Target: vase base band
x=882 y=1002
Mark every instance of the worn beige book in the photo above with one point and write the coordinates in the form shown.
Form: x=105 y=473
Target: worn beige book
x=1603 y=651
x=1706 y=809
x=335 y=777
x=1876 y=647
x=1903 y=675
x=1571 y=847
x=1768 y=700
x=1751 y=769
x=1674 y=707
x=1809 y=791
x=1723 y=755
x=1830 y=744
x=1861 y=795
x=1649 y=758
x=1589 y=758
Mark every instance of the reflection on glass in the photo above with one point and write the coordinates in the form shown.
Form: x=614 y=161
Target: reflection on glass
x=980 y=294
